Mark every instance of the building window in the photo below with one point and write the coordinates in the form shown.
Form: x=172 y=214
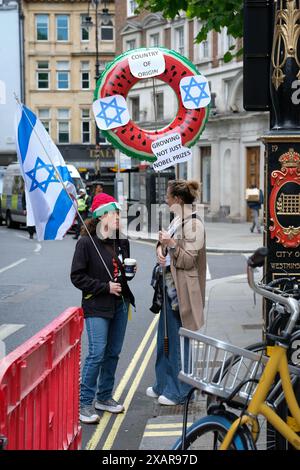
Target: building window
x=130 y=44
x=84 y=32
x=159 y=102
x=205 y=49
x=154 y=40
x=63 y=75
x=179 y=40
x=229 y=41
x=63 y=126
x=42 y=27
x=85 y=75
x=62 y=27
x=135 y=108
x=43 y=74
x=205 y=153
x=85 y=126
x=44 y=117
x=107 y=31
x=131 y=6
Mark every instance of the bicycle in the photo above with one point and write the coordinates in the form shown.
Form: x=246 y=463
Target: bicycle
x=208 y=355
x=278 y=318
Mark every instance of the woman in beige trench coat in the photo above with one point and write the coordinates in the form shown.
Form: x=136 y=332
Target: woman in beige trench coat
x=181 y=252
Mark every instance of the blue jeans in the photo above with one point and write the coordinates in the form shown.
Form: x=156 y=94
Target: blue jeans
x=106 y=336
x=255 y=220
x=167 y=367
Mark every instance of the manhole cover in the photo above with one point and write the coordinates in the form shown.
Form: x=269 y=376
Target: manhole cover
x=10 y=291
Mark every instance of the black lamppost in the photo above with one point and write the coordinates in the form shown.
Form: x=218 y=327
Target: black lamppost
x=271 y=83
x=88 y=24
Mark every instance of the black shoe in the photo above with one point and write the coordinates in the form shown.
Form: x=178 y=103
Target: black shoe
x=31 y=236
x=75 y=238
x=251 y=230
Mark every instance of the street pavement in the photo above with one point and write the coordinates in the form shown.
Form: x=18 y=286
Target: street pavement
x=35 y=287
x=222 y=237
x=231 y=314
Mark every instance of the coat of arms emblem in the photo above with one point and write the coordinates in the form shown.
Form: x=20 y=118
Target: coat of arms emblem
x=284 y=201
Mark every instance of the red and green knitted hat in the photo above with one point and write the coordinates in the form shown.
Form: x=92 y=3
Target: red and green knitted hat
x=103 y=203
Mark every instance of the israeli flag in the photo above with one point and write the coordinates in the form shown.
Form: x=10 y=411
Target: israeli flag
x=48 y=204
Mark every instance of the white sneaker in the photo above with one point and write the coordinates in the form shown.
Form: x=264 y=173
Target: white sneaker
x=151 y=393
x=162 y=400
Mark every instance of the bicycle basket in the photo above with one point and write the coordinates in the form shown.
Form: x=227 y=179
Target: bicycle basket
x=219 y=368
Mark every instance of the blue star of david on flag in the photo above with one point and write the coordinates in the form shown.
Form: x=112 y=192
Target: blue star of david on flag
x=195 y=92
x=111 y=112
x=50 y=207
x=50 y=178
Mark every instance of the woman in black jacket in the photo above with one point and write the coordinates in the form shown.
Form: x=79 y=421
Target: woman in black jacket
x=105 y=300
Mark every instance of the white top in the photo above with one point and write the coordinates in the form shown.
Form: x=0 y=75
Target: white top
x=176 y=222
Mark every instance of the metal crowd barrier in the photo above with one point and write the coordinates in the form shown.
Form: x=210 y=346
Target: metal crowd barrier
x=39 y=388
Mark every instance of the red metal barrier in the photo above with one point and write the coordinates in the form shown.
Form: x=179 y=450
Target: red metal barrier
x=39 y=388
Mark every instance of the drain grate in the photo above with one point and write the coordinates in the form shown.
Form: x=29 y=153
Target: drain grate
x=10 y=291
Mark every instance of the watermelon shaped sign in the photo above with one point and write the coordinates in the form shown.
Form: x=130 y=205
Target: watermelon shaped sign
x=170 y=67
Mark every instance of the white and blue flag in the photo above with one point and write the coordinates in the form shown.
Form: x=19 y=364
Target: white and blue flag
x=48 y=204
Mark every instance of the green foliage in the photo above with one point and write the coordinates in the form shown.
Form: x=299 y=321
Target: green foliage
x=213 y=14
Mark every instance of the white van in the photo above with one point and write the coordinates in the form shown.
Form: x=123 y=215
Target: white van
x=12 y=199
x=75 y=177
x=13 y=195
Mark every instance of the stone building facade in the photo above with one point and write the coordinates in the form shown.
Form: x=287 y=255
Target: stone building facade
x=60 y=58
x=229 y=155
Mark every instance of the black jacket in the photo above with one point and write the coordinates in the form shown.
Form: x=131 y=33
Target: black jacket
x=90 y=276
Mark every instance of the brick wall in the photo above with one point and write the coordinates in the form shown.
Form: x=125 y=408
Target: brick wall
x=239 y=45
x=191 y=40
x=167 y=38
x=120 y=21
x=215 y=61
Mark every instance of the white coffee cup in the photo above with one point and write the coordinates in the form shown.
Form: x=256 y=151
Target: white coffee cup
x=129 y=265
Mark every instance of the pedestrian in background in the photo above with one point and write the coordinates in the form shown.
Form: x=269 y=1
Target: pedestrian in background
x=255 y=206
x=82 y=207
x=181 y=253
x=105 y=302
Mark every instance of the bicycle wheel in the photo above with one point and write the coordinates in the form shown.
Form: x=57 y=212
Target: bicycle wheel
x=208 y=433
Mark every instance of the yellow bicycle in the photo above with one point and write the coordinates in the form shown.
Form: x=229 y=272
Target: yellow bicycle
x=222 y=429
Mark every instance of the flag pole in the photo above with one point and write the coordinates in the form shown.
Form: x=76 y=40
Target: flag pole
x=57 y=174
x=164 y=313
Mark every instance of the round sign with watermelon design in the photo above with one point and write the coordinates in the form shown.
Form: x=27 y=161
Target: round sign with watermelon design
x=118 y=79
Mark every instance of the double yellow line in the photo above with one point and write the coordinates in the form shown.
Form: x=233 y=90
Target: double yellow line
x=92 y=444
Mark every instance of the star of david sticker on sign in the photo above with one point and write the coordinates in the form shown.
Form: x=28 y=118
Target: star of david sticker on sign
x=111 y=112
x=195 y=92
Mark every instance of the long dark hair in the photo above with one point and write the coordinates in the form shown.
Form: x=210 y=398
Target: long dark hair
x=188 y=191
x=91 y=225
